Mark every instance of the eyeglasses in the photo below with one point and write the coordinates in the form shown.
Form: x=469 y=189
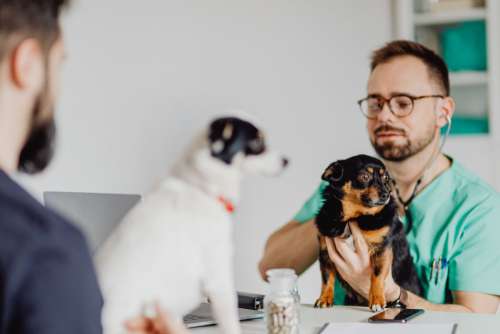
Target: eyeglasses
x=400 y=105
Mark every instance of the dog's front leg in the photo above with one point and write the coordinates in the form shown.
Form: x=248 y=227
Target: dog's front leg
x=218 y=284
x=327 y=276
x=381 y=264
x=224 y=308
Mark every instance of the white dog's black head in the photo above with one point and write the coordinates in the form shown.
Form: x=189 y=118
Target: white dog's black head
x=239 y=143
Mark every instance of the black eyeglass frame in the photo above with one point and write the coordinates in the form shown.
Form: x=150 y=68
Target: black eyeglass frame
x=388 y=102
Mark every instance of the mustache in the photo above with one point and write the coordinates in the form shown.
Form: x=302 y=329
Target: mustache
x=388 y=128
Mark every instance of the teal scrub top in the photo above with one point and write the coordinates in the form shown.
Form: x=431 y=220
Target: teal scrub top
x=456 y=228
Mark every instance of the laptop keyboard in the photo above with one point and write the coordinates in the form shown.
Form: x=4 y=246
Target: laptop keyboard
x=194 y=317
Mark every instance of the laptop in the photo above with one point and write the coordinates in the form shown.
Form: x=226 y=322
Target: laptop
x=202 y=316
x=97 y=214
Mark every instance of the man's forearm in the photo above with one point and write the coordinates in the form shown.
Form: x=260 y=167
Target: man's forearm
x=294 y=246
x=464 y=301
x=413 y=301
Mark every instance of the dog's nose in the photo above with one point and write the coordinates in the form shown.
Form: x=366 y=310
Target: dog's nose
x=384 y=197
x=285 y=162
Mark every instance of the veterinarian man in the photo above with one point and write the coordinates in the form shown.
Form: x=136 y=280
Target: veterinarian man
x=452 y=215
x=47 y=280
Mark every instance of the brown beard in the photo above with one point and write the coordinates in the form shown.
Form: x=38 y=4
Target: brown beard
x=392 y=152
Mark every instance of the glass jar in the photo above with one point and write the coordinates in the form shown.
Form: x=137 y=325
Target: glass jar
x=281 y=305
x=286 y=271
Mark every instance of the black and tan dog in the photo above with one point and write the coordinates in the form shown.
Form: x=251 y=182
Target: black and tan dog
x=360 y=191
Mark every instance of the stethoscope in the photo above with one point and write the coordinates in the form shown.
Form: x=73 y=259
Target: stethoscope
x=406 y=204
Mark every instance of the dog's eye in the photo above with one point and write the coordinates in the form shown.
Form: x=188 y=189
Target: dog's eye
x=364 y=177
x=256 y=146
x=385 y=178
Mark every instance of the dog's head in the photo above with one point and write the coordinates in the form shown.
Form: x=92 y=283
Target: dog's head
x=361 y=182
x=239 y=144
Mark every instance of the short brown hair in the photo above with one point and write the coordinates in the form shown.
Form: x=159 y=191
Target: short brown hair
x=21 y=19
x=435 y=64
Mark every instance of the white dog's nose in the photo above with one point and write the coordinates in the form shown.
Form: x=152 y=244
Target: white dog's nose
x=285 y=162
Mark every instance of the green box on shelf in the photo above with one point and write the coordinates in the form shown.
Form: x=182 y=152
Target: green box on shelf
x=464 y=46
x=468 y=125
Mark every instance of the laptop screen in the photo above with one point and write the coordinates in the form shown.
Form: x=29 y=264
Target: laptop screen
x=95 y=214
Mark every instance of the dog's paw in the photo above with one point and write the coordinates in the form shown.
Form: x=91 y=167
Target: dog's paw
x=376 y=308
x=323 y=303
x=376 y=301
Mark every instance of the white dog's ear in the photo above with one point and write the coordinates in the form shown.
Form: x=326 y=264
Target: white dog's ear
x=221 y=136
x=217 y=146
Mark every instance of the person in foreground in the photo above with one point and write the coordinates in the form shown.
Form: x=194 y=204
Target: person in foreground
x=47 y=279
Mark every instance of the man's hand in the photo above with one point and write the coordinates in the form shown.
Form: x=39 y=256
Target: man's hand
x=354 y=265
x=161 y=324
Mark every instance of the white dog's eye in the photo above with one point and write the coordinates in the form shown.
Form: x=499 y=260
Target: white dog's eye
x=217 y=146
x=256 y=145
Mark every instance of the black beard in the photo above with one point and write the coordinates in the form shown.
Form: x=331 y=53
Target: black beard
x=39 y=148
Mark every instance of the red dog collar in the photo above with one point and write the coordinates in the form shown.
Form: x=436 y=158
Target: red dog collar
x=228 y=205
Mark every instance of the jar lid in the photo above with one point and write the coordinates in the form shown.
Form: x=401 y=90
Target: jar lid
x=281 y=272
x=281 y=279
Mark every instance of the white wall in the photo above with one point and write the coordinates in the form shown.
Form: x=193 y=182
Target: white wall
x=142 y=77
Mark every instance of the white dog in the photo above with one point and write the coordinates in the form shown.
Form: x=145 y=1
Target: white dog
x=176 y=245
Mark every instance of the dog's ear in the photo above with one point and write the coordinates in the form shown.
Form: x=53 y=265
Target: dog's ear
x=217 y=147
x=333 y=173
x=221 y=139
x=392 y=182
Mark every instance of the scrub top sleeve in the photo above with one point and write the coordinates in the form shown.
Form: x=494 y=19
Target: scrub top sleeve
x=312 y=206
x=475 y=267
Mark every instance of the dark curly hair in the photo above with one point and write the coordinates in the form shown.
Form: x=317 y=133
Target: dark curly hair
x=22 y=19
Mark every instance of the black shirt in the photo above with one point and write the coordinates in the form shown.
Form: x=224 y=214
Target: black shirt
x=47 y=279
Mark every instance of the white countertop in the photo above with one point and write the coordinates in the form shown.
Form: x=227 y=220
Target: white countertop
x=312 y=319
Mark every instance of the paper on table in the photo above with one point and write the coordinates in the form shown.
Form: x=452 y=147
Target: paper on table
x=356 y=328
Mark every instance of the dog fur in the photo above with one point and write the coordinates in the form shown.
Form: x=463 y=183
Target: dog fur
x=175 y=247
x=360 y=191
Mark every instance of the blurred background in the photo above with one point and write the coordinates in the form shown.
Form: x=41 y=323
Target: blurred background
x=142 y=78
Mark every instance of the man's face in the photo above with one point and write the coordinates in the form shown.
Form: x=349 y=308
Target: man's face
x=39 y=148
x=397 y=138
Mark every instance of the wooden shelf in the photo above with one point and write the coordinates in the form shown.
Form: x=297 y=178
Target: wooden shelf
x=468 y=78
x=426 y=19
